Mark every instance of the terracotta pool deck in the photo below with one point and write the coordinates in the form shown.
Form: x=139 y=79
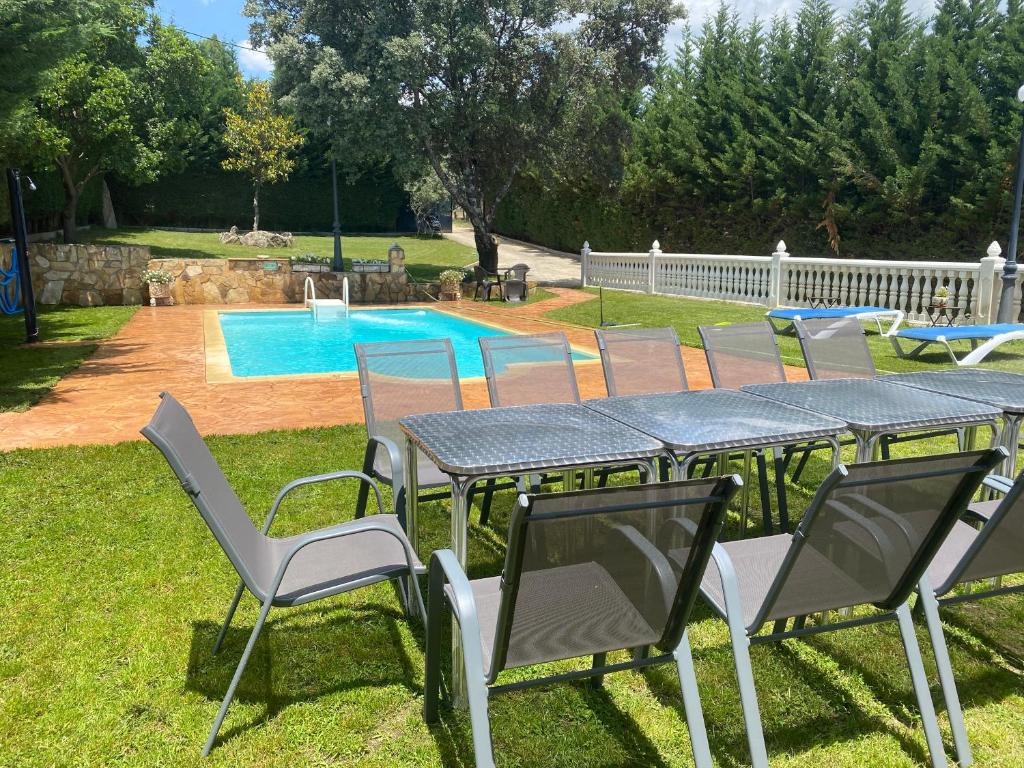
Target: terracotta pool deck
x=112 y=395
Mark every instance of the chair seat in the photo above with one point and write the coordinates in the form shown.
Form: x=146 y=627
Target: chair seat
x=568 y=622
x=336 y=565
x=757 y=563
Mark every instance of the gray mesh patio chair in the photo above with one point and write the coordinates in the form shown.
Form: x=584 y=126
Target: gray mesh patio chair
x=866 y=539
x=399 y=379
x=970 y=554
x=742 y=353
x=748 y=353
x=837 y=348
x=288 y=571
x=583 y=576
x=529 y=370
x=486 y=281
x=641 y=361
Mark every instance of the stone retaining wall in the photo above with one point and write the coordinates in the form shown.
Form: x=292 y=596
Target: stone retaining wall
x=93 y=275
x=88 y=275
x=270 y=280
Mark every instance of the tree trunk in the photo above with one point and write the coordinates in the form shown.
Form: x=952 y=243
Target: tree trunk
x=486 y=247
x=68 y=214
x=256 y=207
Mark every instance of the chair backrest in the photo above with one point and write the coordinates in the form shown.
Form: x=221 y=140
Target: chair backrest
x=872 y=530
x=998 y=549
x=517 y=271
x=172 y=431
x=405 y=378
x=589 y=571
x=835 y=348
x=527 y=370
x=742 y=353
x=480 y=274
x=641 y=361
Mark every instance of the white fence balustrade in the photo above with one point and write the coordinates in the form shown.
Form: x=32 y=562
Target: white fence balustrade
x=782 y=280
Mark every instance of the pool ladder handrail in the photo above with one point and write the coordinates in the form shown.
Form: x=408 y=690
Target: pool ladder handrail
x=309 y=294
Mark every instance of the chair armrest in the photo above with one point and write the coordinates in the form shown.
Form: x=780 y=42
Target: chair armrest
x=998 y=483
x=314 y=479
x=445 y=567
x=659 y=563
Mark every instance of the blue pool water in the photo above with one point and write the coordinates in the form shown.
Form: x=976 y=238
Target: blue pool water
x=282 y=343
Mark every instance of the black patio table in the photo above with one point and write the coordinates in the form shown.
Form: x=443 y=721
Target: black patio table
x=999 y=389
x=475 y=445
x=872 y=408
x=701 y=422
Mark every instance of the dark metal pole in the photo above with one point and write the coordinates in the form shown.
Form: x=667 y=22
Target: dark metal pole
x=1006 y=301
x=338 y=265
x=28 y=299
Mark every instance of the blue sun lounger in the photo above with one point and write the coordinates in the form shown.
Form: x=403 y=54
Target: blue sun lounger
x=992 y=336
x=861 y=313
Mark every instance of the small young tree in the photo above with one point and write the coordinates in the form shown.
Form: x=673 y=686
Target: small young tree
x=260 y=143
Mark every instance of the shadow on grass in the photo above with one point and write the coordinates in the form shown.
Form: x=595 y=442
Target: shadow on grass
x=292 y=663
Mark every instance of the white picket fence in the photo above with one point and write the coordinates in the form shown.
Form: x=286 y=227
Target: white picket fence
x=784 y=280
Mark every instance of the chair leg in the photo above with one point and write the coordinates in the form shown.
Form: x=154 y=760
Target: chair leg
x=780 y=493
x=218 y=721
x=804 y=458
x=364 y=488
x=432 y=651
x=927 y=603
x=485 y=505
x=766 y=499
x=748 y=693
x=691 y=704
x=600 y=659
x=227 y=619
x=883 y=443
x=920 y=681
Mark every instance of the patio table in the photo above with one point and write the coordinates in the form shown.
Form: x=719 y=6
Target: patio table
x=476 y=445
x=872 y=408
x=999 y=389
x=701 y=422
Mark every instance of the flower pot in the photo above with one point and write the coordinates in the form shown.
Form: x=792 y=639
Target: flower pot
x=940 y=301
x=450 y=293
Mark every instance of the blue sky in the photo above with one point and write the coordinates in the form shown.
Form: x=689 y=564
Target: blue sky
x=224 y=19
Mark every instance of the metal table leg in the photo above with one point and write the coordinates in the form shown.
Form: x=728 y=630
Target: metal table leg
x=459 y=545
x=865 y=445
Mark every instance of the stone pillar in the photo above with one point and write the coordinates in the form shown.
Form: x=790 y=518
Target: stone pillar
x=775 y=276
x=652 y=264
x=584 y=262
x=986 y=307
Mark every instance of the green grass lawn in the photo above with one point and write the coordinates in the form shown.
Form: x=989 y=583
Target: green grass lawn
x=115 y=590
x=29 y=372
x=686 y=314
x=425 y=257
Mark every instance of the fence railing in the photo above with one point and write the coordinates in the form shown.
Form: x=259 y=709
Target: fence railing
x=784 y=280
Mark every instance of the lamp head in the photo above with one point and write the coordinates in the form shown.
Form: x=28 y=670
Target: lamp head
x=1020 y=94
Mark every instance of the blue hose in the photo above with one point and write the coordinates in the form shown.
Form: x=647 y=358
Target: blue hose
x=10 y=287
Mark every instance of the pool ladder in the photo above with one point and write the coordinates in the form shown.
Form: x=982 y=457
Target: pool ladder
x=315 y=305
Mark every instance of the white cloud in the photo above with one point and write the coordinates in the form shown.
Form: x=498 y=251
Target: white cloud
x=254 y=62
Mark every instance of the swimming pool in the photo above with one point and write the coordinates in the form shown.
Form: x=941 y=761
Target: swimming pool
x=291 y=342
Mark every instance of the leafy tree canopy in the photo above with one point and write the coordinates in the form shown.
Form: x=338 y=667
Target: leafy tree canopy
x=478 y=89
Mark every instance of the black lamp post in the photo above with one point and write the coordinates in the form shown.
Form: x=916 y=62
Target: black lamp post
x=28 y=300
x=338 y=265
x=1006 y=301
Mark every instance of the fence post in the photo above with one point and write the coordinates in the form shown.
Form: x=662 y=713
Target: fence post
x=584 y=262
x=654 y=253
x=775 y=276
x=988 y=296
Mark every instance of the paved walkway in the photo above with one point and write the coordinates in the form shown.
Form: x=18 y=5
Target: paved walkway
x=547 y=266
x=112 y=395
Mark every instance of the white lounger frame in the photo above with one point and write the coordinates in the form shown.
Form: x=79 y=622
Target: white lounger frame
x=895 y=315
x=975 y=356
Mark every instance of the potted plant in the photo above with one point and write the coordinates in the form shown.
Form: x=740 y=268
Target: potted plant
x=310 y=262
x=159 y=283
x=451 y=284
x=941 y=297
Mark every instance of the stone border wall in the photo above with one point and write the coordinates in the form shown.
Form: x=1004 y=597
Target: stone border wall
x=271 y=280
x=87 y=275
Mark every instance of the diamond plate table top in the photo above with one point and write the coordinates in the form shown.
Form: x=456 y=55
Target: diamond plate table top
x=874 y=405
x=999 y=389
x=710 y=420
x=525 y=438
